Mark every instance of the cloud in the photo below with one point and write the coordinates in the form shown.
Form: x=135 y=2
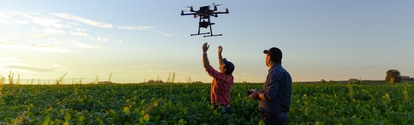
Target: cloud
x=44 y=68
x=86 y=46
x=48 y=22
x=37 y=47
x=83 y=20
x=6 y=19
x=3 y=21
x=14 y=22
x=4 y=16
x=134 y=27
x=142 y=28
x=82 y=34
x=19 y=22
x=52 y=32
x=102 y=39
x=146 y=66
x=36 y=18
x=46 y=33
x=165 y=34
x=7 y=59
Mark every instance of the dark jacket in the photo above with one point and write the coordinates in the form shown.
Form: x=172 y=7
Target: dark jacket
x=277 y=90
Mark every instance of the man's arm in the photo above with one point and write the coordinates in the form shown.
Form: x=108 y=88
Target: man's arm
x=220 y=58
x=270 y=93
x=274 y=82
x=205 y=47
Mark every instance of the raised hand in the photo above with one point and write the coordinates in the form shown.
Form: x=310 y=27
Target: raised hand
x=205 y=47
x=220 y=49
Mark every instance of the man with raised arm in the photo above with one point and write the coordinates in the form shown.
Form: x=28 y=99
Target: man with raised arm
x=222 y=80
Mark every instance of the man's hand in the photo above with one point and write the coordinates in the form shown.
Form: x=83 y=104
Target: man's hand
x=205 y=47
x=255 y=94
x=220 y=49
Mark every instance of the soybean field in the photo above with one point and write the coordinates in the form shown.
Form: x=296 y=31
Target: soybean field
x=189 y=104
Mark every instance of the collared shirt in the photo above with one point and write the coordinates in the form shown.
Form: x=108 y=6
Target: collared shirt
x=277 y=90
x=220 y=86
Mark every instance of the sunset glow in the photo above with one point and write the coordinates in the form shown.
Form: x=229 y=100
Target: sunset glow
x=142 y=40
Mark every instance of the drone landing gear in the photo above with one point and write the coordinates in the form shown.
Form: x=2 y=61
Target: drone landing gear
x=212 y=35
x=199 y=34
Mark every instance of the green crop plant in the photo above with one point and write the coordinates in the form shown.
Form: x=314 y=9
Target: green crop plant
x=311 y=103
x=2 y=80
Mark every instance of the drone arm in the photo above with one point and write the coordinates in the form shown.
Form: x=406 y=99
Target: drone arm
x=183 y=14
x=227 y=12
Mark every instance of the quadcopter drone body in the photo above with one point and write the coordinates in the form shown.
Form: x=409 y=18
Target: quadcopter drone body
x=204 y=14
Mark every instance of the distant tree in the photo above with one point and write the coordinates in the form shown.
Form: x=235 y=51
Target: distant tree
x=18 y=79
x=11 y=76
x=60 y=80
x=110 y=77
x=352 y=80
x=96 y=80
x=197 y=82
x=169 y=78
x=151 y=81
x=393 y=76
x=173 y=77
x=189 y=80
x=154 y=81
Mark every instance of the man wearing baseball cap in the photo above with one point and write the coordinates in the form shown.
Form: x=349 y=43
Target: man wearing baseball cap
x=222 y=80
x=274 y=98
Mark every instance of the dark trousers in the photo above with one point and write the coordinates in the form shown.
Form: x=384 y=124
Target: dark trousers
x=271 y=118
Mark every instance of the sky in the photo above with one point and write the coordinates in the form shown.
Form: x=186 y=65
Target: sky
x=137 y=40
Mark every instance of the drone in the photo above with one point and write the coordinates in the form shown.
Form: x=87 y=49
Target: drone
x=204 y=14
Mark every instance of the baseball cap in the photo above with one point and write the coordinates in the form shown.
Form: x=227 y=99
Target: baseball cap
x=229 y=66
x=275 y=54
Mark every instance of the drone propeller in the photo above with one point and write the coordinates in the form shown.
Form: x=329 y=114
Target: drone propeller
x=214 y=4
x=191 y=8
